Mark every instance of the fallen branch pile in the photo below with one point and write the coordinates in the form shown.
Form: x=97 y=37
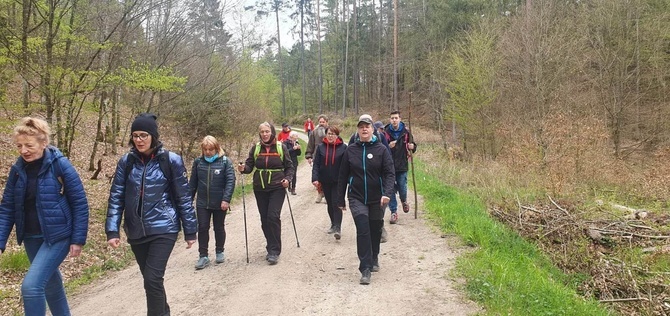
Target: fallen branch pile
x=622 y=250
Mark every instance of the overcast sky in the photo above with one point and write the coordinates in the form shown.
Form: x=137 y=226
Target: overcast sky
x=246 y=29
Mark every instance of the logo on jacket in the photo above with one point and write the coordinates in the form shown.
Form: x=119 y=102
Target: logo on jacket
x=217 y=171
x=370 y=156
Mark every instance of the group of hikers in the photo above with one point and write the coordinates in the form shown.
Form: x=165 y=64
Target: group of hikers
x=152 y=196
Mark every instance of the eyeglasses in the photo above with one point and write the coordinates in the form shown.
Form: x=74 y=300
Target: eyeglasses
x=142 y=136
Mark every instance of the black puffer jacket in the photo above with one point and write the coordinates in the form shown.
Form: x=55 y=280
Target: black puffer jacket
x=367 y=168
x=213 y=182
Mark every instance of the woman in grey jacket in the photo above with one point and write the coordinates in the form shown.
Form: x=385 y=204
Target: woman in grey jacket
x=213 y=179
x=150 y=192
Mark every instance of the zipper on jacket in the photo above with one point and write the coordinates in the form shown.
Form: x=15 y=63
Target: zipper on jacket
x=365 y=177
x=209 y=177
x=144 y=174
x=38 y=207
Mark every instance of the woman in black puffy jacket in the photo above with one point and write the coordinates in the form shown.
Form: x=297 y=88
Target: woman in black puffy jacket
x=213 y=179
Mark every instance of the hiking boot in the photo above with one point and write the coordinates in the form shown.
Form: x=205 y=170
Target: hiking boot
x=375 y=266
x=332 y=230
x=405 y=207
x=293 y=193
x=394 y=218
x=219 y=257
x=273 y=259
x=365 y=277
x=202 y=263
x=384 y=235
x=338 y=233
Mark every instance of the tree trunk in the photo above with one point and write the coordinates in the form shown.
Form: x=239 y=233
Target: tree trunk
x=346 y=57
x=395 y=55
x=318 y=39
x=281 y=65
x=302 y=55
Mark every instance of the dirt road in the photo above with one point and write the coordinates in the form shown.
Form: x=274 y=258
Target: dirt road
x=321 y=277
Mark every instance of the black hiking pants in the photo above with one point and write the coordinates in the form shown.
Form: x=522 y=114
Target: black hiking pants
x=334 y=212
x=152 y=257
x=217 y=218
x=269 y=207
x=369 y=220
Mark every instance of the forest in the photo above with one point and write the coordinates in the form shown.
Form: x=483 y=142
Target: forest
x=554 y=98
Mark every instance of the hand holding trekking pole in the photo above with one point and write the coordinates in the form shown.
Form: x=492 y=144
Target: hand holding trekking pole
x=284 y=183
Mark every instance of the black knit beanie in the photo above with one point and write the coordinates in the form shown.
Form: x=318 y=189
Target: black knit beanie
x=146 y=122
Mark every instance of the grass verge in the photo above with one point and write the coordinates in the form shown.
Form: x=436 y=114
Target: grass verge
x=506 y=274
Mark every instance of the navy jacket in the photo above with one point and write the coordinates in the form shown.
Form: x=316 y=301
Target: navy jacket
x=213 y=182
x=62 y=209
x=367 y=168
x=163 y=210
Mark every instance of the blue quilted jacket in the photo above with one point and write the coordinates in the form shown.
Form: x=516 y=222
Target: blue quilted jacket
x=163 y=211
x=62 y=211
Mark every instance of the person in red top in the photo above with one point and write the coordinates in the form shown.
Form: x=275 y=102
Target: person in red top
x=285 y=133
x=309 y=126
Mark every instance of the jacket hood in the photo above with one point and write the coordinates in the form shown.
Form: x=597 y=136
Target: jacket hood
x=273 y=133
x=337 y=141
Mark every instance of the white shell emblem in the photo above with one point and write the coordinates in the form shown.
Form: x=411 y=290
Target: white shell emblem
x=370 y=156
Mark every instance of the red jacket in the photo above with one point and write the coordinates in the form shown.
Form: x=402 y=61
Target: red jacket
x=309 y=126
x=282 y=136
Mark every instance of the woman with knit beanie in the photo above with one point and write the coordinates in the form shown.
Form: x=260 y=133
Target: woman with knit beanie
x=155 y=204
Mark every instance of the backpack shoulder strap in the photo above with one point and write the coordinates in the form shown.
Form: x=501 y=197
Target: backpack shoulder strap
x=130 y=161
x=280 y=150
x=257 y=150
x=57 y=170
x=165 y=165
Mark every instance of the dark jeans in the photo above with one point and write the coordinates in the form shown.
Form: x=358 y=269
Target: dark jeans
x=269 y=207
x=152 y=257
x=334 y=212
x=292 y=185
x=218 y=218
x=369 y=220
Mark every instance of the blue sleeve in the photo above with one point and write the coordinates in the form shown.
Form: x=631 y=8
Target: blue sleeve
x=117 y=199
x=183 y=199
x=7 y=215
x=76 y=197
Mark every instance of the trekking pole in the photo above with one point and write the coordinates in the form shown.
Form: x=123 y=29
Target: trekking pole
x=292 y=220
x=244 y=210
x=411 y=157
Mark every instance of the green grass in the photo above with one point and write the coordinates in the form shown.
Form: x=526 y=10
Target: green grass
x=94 y=272
x=506 y=274
x=14 y=262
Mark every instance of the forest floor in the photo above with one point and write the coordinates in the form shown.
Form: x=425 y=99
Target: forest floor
x=319 y=277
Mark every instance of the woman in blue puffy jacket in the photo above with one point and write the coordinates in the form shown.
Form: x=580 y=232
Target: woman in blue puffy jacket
x=150 y=192
x=213 y=179
x=45 y=199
